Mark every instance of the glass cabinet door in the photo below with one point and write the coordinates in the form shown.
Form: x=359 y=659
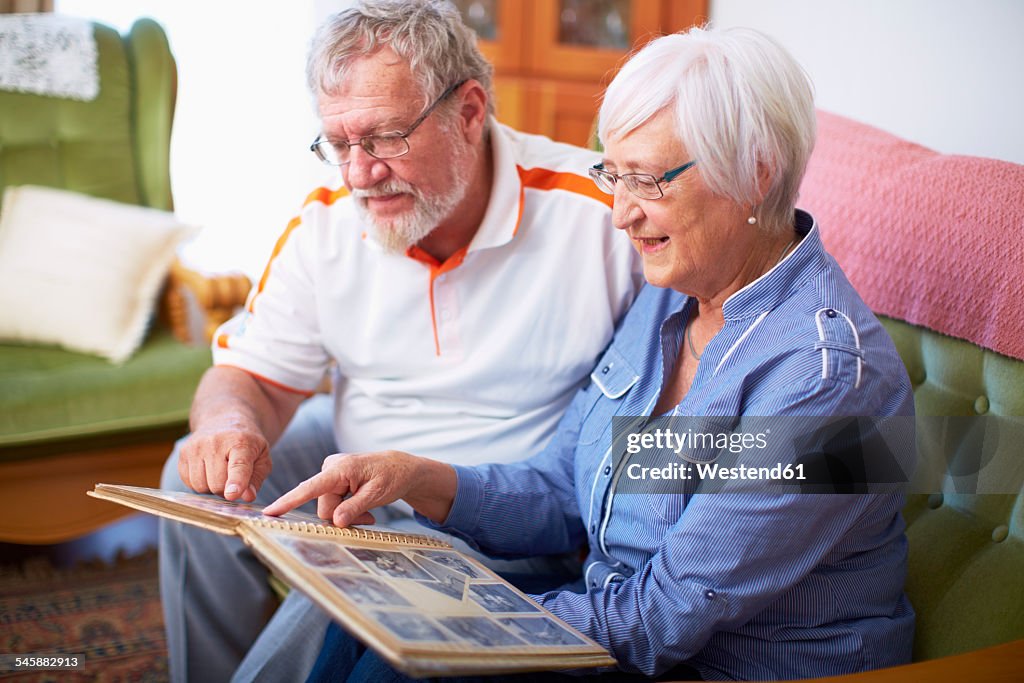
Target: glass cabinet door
x=585 y=39
x=499 y=27
x=553 y=58
x=595 y=23
x=481 y=16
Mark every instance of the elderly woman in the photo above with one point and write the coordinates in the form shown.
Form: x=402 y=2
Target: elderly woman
x=706 y=134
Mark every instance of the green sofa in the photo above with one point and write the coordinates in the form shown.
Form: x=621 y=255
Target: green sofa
x=68 y=420
x=872 y=192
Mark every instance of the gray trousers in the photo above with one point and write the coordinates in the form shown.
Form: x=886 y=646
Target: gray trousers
x=215 y=593
x=219 y=609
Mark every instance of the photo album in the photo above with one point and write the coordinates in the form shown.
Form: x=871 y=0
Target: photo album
x=425 y=608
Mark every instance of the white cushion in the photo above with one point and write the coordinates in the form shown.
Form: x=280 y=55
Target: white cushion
x=81 y=272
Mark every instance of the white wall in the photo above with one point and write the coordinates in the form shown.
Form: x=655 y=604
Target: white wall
x=948 y=74
x=240 y=159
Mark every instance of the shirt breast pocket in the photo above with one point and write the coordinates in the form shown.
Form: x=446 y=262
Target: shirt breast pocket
x=610 y=382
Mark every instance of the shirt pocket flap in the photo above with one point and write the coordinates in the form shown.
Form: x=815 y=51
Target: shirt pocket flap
x=613 y=375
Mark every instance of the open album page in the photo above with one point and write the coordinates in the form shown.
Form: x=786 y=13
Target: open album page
x=405 y=601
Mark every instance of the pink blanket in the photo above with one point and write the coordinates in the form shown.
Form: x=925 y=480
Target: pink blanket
x=936 y=240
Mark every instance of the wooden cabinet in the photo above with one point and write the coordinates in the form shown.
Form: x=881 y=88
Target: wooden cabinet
x=553 y=58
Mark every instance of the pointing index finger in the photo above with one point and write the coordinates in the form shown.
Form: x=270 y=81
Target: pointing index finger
x=239 y=472
x=308 y=490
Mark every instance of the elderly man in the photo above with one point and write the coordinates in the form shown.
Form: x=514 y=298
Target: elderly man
x=459 y=284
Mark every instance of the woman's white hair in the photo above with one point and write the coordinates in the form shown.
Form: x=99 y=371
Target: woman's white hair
x=428 y=34
x=742 y=104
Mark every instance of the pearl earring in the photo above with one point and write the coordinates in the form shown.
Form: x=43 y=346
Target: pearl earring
x=752 y=220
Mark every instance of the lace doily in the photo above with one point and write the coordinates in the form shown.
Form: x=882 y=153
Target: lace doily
x=48 y=54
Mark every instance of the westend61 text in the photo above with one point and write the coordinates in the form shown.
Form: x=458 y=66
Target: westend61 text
x=680 y=471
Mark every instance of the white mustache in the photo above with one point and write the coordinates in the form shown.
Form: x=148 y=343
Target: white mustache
x=384 y=189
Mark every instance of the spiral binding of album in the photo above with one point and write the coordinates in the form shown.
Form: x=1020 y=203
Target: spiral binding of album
x=352 y=532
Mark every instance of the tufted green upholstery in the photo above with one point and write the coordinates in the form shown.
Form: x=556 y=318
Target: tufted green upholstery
x=966 y=551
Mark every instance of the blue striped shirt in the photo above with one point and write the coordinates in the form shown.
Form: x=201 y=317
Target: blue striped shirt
x=739 y=586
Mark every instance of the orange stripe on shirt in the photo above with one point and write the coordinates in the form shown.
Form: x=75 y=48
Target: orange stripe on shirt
x=437 y=269
x=283 y=387
x=545 y=179
x=325 y=196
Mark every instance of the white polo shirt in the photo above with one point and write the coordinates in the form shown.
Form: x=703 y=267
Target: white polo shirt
x=472 y=360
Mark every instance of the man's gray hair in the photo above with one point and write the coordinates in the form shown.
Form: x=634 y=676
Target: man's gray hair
x=741 y=103
x=428 y=34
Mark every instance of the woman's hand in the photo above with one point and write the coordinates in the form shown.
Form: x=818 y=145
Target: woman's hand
x=349 y=485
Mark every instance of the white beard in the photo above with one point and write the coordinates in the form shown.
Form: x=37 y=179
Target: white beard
x=398 y=233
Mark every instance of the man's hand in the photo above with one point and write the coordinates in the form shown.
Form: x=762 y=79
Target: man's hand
x=348 y=486
x=231 y=462
x=235 y=417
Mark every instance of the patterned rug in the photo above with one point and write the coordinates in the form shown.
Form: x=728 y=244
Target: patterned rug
x=108 y=615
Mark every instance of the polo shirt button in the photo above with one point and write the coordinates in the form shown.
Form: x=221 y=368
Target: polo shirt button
x=709 y=594
x=830 y=313
x=605 y=369
x=607 y=470
x=593 y=528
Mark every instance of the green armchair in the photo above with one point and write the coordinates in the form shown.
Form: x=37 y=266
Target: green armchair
x=69 y=420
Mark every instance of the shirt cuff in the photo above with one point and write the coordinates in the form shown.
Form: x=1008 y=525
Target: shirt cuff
x=469 y=497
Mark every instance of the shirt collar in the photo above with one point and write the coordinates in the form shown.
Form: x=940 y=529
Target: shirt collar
x=793 y=272
x=504 y=207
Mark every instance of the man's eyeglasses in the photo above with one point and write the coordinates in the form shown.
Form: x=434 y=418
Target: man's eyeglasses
x=381 y=146
x=642 y=185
